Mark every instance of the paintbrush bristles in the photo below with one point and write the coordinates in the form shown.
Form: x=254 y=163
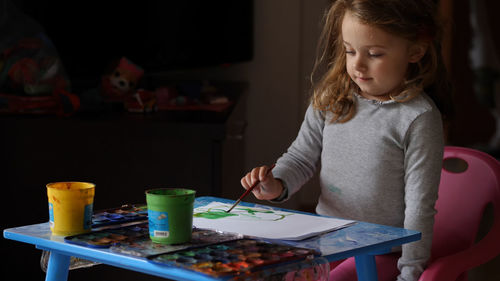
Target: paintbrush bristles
x=234 y=205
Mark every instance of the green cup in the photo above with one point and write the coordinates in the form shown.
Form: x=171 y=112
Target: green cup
x=170 y=214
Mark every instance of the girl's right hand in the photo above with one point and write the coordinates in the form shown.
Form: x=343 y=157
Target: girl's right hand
x=269 y=187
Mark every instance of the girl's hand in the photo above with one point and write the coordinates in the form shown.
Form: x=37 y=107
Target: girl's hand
x=269 y=187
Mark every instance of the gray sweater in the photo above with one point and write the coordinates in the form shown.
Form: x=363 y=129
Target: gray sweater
x=383 y=166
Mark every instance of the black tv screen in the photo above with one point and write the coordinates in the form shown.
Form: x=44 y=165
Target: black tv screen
x=158 y=35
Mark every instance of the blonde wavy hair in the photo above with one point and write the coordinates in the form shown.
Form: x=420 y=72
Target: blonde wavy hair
x=414 y=20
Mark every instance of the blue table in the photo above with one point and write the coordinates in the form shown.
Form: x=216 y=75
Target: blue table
x=361 y=240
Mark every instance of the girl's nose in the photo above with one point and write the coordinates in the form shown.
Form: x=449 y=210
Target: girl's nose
x=359 y=63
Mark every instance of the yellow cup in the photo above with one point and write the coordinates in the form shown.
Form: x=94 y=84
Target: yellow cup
x=70 y=207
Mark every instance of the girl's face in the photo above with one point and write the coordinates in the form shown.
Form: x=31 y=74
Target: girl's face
x=376 y=61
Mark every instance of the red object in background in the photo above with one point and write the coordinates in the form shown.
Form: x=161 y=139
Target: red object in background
x=61 y=103
x=32 y=80
x=167 y=98
x=141 y=101
x=23 y=72
x=164 y=95
x=122 y=81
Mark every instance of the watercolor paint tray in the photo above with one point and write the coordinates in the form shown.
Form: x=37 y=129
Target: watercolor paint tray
x=112 y=236
x=124 y=214
x=231 y=258
x=134 y=240
x=146 y=247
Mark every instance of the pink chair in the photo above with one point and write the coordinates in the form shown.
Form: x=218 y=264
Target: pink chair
x=463 y=197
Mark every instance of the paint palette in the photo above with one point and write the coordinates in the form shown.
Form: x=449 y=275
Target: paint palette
x=236 y=257
x=124 y=214
x=134 y=240
x=146 y=247
x=113 y=236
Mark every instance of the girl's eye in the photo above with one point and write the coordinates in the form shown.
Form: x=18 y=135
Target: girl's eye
x=375 y=55
x=349 y=52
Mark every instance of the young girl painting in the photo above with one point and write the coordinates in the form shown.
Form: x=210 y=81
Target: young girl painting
x=372 y=127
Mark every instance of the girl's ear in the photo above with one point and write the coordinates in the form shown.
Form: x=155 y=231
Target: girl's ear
x=417 y=51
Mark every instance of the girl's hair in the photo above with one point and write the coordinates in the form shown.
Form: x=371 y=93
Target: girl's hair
x=414 y=20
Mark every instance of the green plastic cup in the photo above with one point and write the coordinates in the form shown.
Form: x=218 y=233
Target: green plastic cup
x=170 y=214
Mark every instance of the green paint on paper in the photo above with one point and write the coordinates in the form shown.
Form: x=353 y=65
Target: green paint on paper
x=213 y=215
x=252 y=212
x=219 y=213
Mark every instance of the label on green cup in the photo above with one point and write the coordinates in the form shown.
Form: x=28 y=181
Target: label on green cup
x=158 y=224
x=51 y=215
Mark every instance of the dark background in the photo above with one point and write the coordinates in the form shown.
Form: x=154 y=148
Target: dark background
x=157 y=35
x=124 y=153
x=285 y=33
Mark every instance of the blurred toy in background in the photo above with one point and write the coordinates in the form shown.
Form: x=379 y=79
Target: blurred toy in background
x=200 y=95
x=32 y=77
x=164 y=96
x=31 y=73
x=141 y=101
x=121 y=83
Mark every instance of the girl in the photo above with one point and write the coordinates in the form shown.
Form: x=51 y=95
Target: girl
x=373 y=127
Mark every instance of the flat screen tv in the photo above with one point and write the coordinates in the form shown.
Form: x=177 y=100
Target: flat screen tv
x=158 y=35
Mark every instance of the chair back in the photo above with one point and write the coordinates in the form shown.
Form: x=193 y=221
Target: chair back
x=470 y=181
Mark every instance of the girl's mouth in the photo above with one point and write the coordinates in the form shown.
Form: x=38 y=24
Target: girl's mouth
x=364 y=79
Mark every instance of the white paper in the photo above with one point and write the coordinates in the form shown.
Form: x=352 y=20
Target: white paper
x=264 y=223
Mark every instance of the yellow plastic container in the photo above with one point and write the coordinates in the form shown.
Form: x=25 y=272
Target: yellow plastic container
x=70 y=207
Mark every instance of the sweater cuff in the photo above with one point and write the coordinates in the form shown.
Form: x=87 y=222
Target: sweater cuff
x=283 y=196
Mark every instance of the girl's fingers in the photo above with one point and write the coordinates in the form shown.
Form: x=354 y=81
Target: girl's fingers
x=263 y=173
x=246 y=181
x=255 y=175
x=250 y=178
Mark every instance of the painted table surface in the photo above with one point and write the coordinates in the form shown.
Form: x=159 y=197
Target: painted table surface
x=360 y=240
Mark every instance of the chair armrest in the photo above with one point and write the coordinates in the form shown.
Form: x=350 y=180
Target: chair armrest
x=450 y=267
x=446 y=268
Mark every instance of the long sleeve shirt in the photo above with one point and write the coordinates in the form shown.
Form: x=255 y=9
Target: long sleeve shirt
x=382 y=166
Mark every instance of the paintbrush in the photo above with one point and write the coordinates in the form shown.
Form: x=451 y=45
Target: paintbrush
x=249 y=190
